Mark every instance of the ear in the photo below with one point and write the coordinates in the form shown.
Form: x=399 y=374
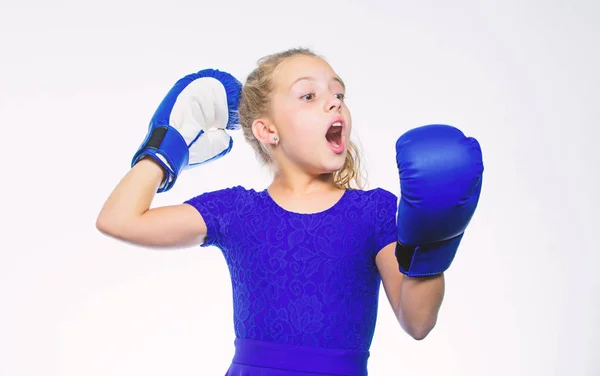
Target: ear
x=264 y=131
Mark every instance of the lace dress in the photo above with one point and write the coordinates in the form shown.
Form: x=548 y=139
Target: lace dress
x=305 y=286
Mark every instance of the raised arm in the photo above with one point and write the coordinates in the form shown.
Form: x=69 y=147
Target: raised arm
x=187 y=130
x=127 y=216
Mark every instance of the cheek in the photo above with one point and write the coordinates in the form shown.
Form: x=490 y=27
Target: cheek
x=348 y=122
x=304 y=125
x=305 y=135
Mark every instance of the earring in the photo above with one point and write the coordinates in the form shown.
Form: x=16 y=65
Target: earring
x=276 y=140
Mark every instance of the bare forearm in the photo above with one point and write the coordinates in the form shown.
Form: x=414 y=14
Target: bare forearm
x=133 y=195
x=420 y=302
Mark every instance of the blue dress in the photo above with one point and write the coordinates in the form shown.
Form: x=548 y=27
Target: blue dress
x=305 y=286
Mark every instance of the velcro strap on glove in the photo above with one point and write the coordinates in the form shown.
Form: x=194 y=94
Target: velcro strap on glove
x=165 y=145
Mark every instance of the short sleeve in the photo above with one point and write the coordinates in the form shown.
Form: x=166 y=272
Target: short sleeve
x=216 y=208
x=385 y=219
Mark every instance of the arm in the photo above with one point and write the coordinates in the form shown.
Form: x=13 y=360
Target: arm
x=420 y=302
x=127 y=216
x=177 y=138
x=440 y=172
x=416 y=301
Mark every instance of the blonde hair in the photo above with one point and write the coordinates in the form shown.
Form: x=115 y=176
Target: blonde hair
x=255 y=101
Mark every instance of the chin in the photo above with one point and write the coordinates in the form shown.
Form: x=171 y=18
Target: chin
x=335 y=164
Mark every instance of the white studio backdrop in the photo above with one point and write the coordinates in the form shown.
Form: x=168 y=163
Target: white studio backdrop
x=80 y=80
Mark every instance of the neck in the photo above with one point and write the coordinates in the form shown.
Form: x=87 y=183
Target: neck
x=300 y=183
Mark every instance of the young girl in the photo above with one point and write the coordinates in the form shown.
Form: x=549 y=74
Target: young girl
x=307 y=254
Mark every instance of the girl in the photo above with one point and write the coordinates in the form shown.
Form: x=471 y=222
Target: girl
x=307 y=254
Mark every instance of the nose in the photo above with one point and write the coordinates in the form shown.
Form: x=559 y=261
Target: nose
x=334 y=103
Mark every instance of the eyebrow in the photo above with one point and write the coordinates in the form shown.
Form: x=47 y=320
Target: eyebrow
x=335 y=78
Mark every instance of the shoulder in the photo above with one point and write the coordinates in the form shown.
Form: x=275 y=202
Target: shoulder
x=376 y=195
x=225 y=196
x=236 y=190
x=378 y=207
x=379 y=201
x=384 y=195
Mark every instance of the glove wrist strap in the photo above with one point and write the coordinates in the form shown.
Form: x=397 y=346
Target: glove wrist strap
x=166 y=145
x=426 y=260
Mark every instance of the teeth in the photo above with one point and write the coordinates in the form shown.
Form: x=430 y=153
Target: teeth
x=337 y=124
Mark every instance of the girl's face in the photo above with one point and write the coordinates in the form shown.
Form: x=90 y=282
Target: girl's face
x=310 y=116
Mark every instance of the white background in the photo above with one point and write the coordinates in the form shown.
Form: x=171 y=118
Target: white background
x=79 y=81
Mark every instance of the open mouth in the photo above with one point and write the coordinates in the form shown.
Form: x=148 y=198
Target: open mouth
x=334 y=134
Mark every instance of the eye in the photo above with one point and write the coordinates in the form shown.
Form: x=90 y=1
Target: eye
x=309 y=96
x=340 y=96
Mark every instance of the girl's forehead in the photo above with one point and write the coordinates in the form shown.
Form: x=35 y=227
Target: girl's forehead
x=299 y=68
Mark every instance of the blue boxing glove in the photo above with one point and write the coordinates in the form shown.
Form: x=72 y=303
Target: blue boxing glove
x=441 y=173
x=189 y=126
